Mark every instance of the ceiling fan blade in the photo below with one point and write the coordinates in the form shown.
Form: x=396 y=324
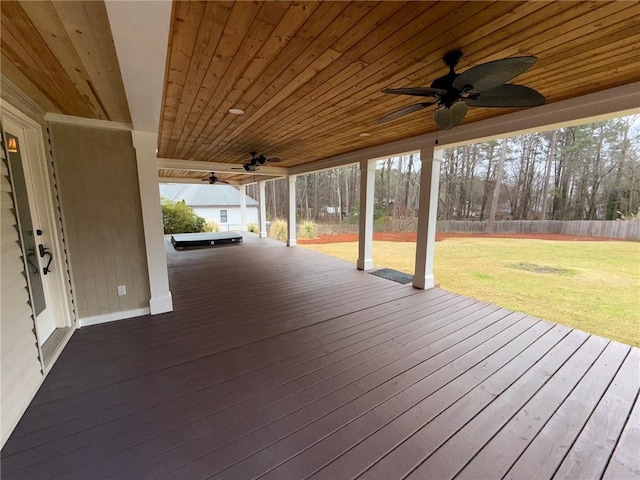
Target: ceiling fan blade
x=404 y=111
x=508 y=96
x=489 y=75
x=274 y=160
x=223 y=181
x=447 y=118
x=417 y=91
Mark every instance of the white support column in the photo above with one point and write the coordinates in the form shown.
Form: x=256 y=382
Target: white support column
x=243 y=208
x=365 y=237
x=262 y=201
x=291 y=220
x=427 y=216
x=145 y=145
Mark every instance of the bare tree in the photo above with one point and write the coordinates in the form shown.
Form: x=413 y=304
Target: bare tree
x=496 y=189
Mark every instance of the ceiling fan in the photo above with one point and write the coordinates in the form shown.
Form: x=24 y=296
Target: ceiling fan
x=212 y=179
x=484 y=85
x=256 y=161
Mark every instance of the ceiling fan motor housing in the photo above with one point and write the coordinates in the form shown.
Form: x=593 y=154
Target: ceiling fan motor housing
x=484 y=85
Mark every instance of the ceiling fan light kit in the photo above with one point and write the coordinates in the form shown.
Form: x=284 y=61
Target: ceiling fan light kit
x=484 y=85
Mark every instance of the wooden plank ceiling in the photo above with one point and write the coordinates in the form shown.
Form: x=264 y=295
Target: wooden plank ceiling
x=309 y=75
x=62 y=55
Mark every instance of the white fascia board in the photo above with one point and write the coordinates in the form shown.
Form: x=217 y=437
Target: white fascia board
x=198 y=166
x=599 y=106
x=87 y=122
x=140 y=33
x=193 y=181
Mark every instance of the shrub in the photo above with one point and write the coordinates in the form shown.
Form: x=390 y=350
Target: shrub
x=212 y=226
x=278 y=230
x=383 y=220
x=253 y=227
x=308 y=230
x=180 y=218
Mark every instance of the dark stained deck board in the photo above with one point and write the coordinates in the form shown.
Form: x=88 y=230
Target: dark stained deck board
x=252 y=388
x=257 y=347
x=286 y=363
x=216 y=341
x=217 y=308
x=328 y=456
x=124 y=345
x=624 y=461
x=382 y=408
x=590 y=453
x=250 y=410
x=289 y=417
x=515 y=436
x=227 y=359
x=252 y=365
x=474 y=435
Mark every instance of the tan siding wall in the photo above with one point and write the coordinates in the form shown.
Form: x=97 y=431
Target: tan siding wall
x=19 y=362
x=100 y=199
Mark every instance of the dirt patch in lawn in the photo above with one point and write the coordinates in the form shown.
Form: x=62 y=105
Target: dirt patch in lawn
x=411 y=237
x=532 y=267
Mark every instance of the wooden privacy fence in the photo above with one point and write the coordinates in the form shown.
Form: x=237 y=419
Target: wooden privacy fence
x=589 y=228
x=625 y=230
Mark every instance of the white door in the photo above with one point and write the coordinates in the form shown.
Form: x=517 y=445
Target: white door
x=34 y=226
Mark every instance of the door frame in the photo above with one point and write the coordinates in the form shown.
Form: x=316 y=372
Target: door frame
x=38 y=176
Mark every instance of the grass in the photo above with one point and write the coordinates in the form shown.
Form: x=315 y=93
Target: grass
x=592 y=286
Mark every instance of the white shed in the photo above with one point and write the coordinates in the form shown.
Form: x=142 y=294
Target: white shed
x=220 y=203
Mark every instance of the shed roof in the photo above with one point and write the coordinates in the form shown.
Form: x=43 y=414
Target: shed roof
x=204 y=195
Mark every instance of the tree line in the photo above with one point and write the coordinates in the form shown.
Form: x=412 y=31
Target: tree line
x=585 y=172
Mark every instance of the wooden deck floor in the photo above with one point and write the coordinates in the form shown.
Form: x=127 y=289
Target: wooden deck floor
x=282 y=363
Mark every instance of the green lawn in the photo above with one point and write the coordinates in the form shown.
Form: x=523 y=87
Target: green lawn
x=593 y=286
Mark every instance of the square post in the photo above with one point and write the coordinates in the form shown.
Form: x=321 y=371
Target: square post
x=243 y=207
x=262 y=201
x=427 y=217
x=145 y=146
x=291 y=212
x=365 y=237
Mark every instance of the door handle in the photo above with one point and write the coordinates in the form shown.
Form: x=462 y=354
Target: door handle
x=43 y=253
x=46 y=269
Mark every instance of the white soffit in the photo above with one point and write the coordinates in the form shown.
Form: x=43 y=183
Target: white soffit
x=140 y=32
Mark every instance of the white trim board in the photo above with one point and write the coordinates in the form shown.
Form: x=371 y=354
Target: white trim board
x=87 y=122
x=192 y=181
x=199 y=166
x=14 y=96
x=112 y=317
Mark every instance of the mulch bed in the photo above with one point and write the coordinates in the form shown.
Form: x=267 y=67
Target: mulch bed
x=411 y=237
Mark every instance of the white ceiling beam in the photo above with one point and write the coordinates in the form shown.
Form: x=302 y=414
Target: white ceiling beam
x=140 y=34
x=198 y=166
x=599 y=106
x=193 y=181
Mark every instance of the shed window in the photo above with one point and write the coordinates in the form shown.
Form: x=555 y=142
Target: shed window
x=223 y=216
